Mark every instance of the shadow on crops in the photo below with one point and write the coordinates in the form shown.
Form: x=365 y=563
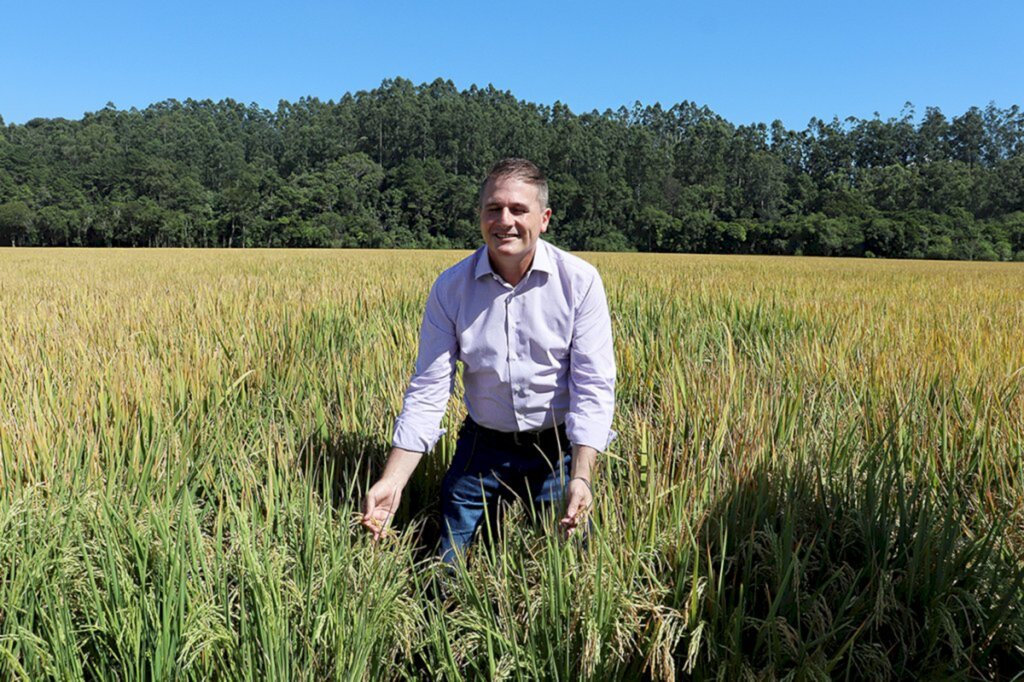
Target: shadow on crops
x=342 y=465
x=861 y=572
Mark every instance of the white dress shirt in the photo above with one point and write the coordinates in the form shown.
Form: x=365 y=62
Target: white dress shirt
x=534 y=355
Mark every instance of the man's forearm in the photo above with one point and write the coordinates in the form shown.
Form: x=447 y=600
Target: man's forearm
x=583 y=458
x=400 y=465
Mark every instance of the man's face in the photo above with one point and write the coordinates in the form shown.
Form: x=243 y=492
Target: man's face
x=511 y=219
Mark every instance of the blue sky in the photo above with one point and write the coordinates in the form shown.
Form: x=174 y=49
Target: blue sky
x=748 y=61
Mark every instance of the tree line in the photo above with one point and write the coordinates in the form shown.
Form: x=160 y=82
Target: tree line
x=399 y=167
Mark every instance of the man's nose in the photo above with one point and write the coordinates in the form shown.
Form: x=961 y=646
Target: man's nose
x=506 y=216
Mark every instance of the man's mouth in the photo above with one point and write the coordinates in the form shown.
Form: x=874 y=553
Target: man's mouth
x=506 y=235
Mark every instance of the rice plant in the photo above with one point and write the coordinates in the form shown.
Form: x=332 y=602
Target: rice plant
x=819 y=473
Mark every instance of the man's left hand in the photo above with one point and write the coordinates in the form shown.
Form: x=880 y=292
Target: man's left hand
x=578 y=499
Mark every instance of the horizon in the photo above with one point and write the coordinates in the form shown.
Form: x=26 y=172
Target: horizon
x=914 y=110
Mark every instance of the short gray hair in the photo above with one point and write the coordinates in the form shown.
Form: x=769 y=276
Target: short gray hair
x=519 y=169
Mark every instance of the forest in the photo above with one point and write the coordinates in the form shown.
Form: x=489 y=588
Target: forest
x=399 y=167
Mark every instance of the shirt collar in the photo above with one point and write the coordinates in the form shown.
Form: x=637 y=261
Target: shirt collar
x=541 y=261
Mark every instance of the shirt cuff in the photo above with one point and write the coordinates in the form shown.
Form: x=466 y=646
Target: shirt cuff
x=409 y=437
x=593 y=435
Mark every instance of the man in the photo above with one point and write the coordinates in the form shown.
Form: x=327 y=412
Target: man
x=530 y=324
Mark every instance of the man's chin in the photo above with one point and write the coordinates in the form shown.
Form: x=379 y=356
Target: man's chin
x=507 y=249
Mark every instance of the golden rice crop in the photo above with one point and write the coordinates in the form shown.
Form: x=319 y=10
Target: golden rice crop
x=819 y=472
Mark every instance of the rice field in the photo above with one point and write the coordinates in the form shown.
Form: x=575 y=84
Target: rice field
x=819 y=474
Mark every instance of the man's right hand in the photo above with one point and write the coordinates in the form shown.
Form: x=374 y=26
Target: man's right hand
x=379 y=506
x=384 y=496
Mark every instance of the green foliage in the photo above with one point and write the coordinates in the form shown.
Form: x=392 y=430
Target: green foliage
x=16 y=224
x=398 y=166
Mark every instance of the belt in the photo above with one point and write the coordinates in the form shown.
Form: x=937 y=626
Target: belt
x=551 y=437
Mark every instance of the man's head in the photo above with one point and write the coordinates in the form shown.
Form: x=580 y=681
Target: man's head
x=522 y=169
x=513 y=214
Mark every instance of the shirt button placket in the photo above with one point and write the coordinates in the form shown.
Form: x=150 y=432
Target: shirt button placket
x=510 y=325
x=510 y=354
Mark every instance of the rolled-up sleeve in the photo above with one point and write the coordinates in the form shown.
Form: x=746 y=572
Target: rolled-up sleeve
x=591 y=371
x=418 y=426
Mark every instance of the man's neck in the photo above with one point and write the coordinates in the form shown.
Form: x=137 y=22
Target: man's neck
x=514 y=272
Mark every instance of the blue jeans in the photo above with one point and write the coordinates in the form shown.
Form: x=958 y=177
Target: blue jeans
x=484 y=476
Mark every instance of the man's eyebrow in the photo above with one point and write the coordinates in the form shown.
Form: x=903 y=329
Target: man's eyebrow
x=515 y=204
